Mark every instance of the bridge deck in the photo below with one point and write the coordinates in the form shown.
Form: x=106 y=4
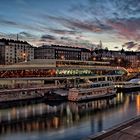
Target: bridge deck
x=61 y=77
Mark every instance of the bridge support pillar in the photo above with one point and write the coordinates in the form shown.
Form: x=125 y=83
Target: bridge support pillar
x=56 y=82
x=106 y=79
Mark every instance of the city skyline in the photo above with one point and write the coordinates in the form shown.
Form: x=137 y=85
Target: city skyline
x=76 y=23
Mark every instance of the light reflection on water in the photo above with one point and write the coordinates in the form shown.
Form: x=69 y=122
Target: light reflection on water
x=67 y=120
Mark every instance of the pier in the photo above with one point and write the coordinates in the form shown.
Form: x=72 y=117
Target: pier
x=25 y=93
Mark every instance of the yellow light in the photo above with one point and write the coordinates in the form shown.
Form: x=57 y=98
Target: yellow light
x=119 y=60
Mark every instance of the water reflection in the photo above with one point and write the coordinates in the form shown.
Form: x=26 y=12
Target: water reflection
x=46 y=117
x=138 y=104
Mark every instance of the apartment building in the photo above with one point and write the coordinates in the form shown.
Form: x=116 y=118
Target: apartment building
x=14 y=51
x=62 y=52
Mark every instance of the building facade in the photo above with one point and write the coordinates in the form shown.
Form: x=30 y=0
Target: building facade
x=14 y=51
x=62 y=52
x=120 y=57
x=85 y=54
x=67 y=53
x=44 y=52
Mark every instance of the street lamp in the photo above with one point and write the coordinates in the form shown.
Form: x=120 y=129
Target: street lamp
x=119 y=61
x=62 y=57
x=24 y=56
x=94 y=58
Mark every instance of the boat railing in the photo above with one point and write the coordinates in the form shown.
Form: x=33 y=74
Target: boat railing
x=127 y=84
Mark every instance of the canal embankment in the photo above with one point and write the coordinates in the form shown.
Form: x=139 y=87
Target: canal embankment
x=128 y=130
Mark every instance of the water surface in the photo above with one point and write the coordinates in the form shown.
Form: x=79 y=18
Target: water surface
x=67 y=120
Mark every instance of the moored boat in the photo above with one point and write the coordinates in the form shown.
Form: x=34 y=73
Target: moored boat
x=56 y=95
x=132 y=85
x=92 y=91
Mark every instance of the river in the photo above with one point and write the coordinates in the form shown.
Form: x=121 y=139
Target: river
x=67 y=120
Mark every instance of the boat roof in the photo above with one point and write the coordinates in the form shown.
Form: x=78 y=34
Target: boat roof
x=136 y=80
x=61 y=92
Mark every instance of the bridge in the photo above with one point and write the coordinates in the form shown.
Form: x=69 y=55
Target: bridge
x=40 y=72
x=49 y=68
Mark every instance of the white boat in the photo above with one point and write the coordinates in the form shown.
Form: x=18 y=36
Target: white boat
x=92 y=91
x=136 y=80
x=132 y=85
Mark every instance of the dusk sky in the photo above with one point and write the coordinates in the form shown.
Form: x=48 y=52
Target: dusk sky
x=73 y=22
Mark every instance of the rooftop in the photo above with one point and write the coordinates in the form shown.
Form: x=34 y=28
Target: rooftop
x=60 y=46
x=7 y=41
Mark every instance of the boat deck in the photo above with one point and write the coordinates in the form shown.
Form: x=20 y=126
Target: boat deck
x=61 y=92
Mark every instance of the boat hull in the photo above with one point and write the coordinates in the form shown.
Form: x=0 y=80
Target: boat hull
x=59 y=95
x=54 y=97
x=91 y=94
x=98 y=97
x=119 y=89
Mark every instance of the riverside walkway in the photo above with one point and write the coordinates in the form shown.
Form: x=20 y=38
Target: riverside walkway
x=129 y=130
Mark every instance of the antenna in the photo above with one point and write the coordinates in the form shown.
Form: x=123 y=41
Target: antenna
x=17 y=37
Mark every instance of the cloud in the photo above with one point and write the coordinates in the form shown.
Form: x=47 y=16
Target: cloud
x=76 y=42
x=127 y=28
x=48 y=37
x=78 y=25
x=106 y=20
x=63 y=32
x=128 y=7
x=130 y=45
x=121 y=18
x=116 y=47
x=22 y=35
x=10 y=23
x=26 y=35
x=7 y=22
x=64 y=38
x=138 y=49
x=106 y=8
x=88 y=26
x=2 y=35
